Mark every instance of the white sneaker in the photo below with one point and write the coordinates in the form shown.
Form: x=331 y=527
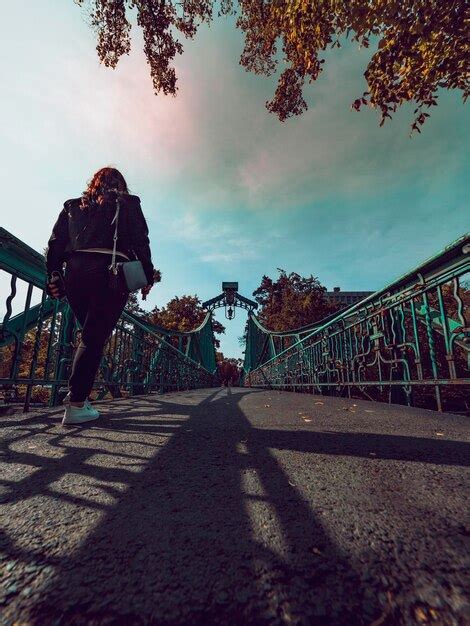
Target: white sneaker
x=68 y=397
x=79 y=414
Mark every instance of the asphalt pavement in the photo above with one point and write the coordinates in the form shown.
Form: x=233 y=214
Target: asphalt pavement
x=235 y=506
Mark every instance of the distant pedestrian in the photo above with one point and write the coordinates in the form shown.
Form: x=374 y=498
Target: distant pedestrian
x=91 y=234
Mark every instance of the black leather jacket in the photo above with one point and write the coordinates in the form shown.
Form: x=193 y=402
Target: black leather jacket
x=92 y=227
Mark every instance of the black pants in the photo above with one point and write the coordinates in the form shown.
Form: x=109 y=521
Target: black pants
x=97 y=308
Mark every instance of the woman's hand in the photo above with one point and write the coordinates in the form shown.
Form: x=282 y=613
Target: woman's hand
x=53 y=290
x=157 y=276
x=55 y=286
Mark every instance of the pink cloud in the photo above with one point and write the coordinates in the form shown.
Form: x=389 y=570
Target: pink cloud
x=110 y=112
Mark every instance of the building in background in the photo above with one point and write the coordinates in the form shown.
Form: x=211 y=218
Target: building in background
x=346 y=298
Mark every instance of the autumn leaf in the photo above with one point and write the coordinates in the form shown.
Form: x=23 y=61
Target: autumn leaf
x=422 y=47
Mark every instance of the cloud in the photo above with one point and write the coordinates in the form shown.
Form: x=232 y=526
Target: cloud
x=219 y=175
x=215 y=242
x=214 y=146
x=108 y=113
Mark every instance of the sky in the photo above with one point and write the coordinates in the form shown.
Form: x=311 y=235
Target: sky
x=229 y=192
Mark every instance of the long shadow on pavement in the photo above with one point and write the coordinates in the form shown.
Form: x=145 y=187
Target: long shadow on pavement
x=183 y=545
x=209 y=529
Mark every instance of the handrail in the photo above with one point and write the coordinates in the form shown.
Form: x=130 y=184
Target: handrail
x=19 y=259
x=36 y=345
x=458 y=245
x=415 y=332
x=206 y=320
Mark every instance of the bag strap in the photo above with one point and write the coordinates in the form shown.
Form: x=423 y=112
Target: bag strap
x=115 y=236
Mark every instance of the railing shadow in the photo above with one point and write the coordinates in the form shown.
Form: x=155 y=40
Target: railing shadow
x=184 y=541
x=186 y=516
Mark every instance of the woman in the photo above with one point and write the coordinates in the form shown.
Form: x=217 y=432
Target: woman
x=82 y=239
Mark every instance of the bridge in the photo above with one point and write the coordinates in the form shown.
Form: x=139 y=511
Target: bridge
x=328 y=489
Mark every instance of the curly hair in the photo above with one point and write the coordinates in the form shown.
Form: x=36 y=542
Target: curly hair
x=105 y=180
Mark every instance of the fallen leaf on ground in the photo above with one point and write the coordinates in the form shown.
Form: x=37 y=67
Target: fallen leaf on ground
x=316 y=551
x=381 y=620
x=440 y=434
x=307 y=420
x=319 y=402
x=420 y=615
x=267 y=405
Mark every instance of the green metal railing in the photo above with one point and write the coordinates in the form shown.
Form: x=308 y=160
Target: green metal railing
x=407 y=343
x=37 y=342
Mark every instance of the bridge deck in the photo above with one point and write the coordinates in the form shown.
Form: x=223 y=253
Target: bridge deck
x=234 y=506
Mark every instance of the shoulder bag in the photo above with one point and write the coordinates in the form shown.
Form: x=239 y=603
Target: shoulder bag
x=126 y=275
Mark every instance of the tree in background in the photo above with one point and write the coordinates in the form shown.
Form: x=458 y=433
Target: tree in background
x=418 y=46
x=229 y=369
x=25 y=354
x=291 y=301
x=133 y=306
x=183 y=314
